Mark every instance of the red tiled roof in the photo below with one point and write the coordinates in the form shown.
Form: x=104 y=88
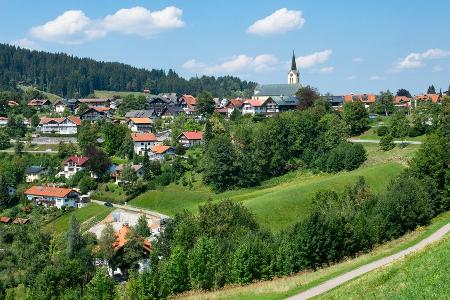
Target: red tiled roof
x=193 y=135
x=143 y=137
x=235 y=103
x=401 y=99
x=100 y=108
x=48 y=191
x=45 y=120
x=190 y=100
x=141 y=120
x=433 y=97
x=5 y=220
x=221 y=110
x=121 y=239
x=75 y=120
x=79 y=160
x=366 y=98
x=255 y=103
x=160 y=149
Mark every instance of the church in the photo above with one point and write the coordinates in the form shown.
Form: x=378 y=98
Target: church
x=285 y=92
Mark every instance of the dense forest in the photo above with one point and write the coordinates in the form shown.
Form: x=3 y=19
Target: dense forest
x=70 y=76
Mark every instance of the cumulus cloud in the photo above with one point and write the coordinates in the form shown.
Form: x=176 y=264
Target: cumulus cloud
x=313 y=59
x=326 y=70
x=416 y=59
x=26 y=43
x=280 y=22
x=234 y=65
x=74 y=27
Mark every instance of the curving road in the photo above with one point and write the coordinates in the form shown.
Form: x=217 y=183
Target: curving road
x=134 y=209
x=332 y=283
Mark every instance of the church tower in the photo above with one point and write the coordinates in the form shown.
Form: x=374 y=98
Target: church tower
x=294 y=75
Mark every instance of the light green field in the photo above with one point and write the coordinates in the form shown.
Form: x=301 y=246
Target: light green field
x=423 y=275
x=113 y=193
x=87 y=216
x=110 y=94
x=280 y=288
x=50 y=96
x=371 y=135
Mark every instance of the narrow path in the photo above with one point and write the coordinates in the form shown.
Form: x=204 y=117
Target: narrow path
x=378 y=141
x=332 y=283
x=30 y=151
x=134 y=209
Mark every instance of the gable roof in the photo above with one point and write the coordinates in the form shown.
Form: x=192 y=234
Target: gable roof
x=160 y=149
x=45 y=120
x=39 y=102
x=235 y=103
x=189 y=99
x=401 y=99
x=121 y=240
x=255 y=103
x=285 y=100
x=145 y=120
x=93 y=100
x=433 y=97
x=48 y=191
x=192 y=135
x=143 y=137
x=79 y=160
x=34 y=169
x=277 y=89
x=140 y=113
x=366 y=98
x=75 y=120
x=120 y=167
x=5 y=220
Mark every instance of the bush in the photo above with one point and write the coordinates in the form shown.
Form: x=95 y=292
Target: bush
x=346 y=156
x=387 y=143
x=86 y=184
x=382 y=130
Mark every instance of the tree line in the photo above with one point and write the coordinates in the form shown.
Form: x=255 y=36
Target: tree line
x=70 y=76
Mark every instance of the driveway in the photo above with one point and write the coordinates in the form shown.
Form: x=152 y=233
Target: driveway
x=332 y=283
x=134 y=209
x=378 y=141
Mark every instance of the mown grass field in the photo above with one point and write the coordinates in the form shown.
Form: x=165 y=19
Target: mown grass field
x=87 y=216
x=50 y=96
x=423 y=275
x=110 y=94
x=372 y=135
x=109 y=192
x=282 y=201
x=280 y=288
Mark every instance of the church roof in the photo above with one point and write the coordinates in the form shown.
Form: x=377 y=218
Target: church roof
x=277 y=89
x=294 y=63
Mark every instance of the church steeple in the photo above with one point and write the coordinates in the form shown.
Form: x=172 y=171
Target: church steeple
x=294 y=63
x=293 y=75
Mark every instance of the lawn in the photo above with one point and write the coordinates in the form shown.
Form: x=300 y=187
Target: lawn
x=280 y=288
x=110 y=192
x=422 y=275
x=110 y=94
x=371 y=135
x=87 y=216
x=50 y=96
x=398 y=154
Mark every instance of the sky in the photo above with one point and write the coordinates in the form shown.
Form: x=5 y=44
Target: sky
x=341 y=46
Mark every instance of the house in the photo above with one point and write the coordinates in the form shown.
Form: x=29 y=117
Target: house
x=72 y=165
x=33 y=173
x=66 y=125
x=60 y=105
x=54 y=196
x=402 y=101
x=158 y=104
x=190 y=138
x=255 y=106
x=171 y=112
x=5 y=220
x=12 y=103
x=138 y=169
x=40 y=104
x=187 y=103
x=435 y=98
x=21 y=221
x=159 y=151
x=234 y=104
x=115 y=104
x=335 y=101
x=95 y=113
x=141 y=114
x=96 y=102
x=143 y=141
x=140 y=124
x=367 y=99
x=3 y=121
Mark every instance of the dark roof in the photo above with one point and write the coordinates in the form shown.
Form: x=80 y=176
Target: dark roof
x=285 y=100
x=277 y=89
x=335 y=99
x=140 y=113
x=293 y=64
x=34 y=169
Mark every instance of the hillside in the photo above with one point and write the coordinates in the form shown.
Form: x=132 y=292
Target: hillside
x=70 y=76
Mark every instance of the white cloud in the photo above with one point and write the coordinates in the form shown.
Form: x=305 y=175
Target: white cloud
x=376 y=77
x=313 y=59
x=416 y=60
x=74 y=27
x=351 y=77
x=26 y=43
x=326 y=70
x=358 y=60
x=280 y=22
x=235 y=64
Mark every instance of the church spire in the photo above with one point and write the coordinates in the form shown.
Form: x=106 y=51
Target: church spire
x=293 y=64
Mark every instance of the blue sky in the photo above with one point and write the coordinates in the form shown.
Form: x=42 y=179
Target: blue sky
x=342 y=46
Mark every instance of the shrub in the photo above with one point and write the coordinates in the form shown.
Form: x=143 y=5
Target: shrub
x=346 y=156
x=386 y=143
x=382 y=130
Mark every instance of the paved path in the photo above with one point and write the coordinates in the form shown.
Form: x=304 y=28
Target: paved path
x=134 y=208
x=332 y=283
x=378 y=141
x=30 y=151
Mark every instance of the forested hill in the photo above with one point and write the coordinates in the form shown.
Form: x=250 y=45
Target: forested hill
x=71 y=76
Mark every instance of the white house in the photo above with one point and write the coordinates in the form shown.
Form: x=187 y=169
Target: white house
x=159 y=151
x=140 y=124
x=143 y=141
x=3 y=121
x=72 y=165
x=67 y=125
x=54 y=196
x=190 y=138
x=60 y=106
x=34 y=173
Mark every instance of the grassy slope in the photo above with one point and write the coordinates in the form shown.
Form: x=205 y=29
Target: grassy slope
x=423 y=275
x=371 y=135
x=282 y=201
x=110 y=94
x=51 y=97
x=87 y=216
x=281 y=288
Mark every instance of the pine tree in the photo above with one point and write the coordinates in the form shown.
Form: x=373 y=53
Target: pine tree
x=207 y=134
x=146 y=166
x=141 y=228
x=4 y=196
x=73 y=236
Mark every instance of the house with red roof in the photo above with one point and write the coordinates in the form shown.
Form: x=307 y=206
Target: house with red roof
x=72 y=165
x=435 y=98
x=40 y=104
x=188 y=103
x=143 y=141
x=140 y=124
x=65 y=125
x=367 y=99
x=158 y=152
x=234 y=104
x=50 y=196
x=190 y=138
